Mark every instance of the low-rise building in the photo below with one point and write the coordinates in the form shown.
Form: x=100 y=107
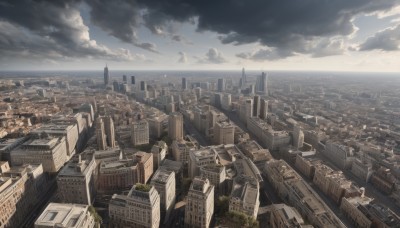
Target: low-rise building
x=48 y=151
x=284 y=216
x=65 y=215
x=245 y=195
x=351 y=208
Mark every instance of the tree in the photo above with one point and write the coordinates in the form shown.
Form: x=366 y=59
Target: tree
x=97 y=218
x=222 y=206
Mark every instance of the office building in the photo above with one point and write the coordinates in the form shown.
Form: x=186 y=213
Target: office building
x=143 y=86
x=159 y=151
x=256 y=106
x=184 y=84
x=298 y=137
x=140 y=133
x=101 y=134
x=216 y=174
x=124 y=79
x=181 y=150
x=341 y=155
x=200 y=158
x=200 y=203
x=221 y=85
x=76 y=181
x=246 y=110
x=224 y=133
x=263 y=109
x=164 y=182
x=244 y=197
x=261 y=84
x=140 y=208
x=133 y=80
x=284 y=216
x=175 y=126
x=291 y=187
x=22 y=189
x=110 y=131
x=244 y=78
x=106 y=76
x=227 y=102
x=65 y=215
x=48 y=151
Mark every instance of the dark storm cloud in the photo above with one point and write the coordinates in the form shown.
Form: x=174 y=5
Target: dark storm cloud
x=386 y=40
x=285 y=24
x=119 y=18
x=48 y=29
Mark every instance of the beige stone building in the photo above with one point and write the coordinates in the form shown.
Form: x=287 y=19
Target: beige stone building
x=216 y=174
x=175 y=126
x=76 y=181
x=181 y=149
x=164 y=182
x=200 y=158
x=22 y=189
x=65 y=215
x=245 y=195
x=224 y=133
x=284 y=216
x=48 y=151
x=350 y=207
x=140 y=133
x=200 y=203
x=159 y=151
x=140 y=208
x=144 y=162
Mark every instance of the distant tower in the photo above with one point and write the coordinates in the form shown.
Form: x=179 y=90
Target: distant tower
x=175 y=126
x=256 y=106
x=133 y=81
x=261 y=84
x=263 y=109
x=100 y=134
x=106 y=76
x=244 y=78
x=221 y=85
x=110 y=133
x=184 y=84
x=298 y=137
x=124 y=79
x=143 y=86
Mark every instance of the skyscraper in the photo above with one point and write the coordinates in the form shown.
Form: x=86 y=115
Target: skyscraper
x=133 y=80
x=109 y=127
x=244 y=78
x=256 y=106
x=263 y=109
x=106 y=76
x=175 y=126
x=221 y=85
x=184 y=83
x=261 y=84
x=143 y=86
x=100 y=134
x=124 y=79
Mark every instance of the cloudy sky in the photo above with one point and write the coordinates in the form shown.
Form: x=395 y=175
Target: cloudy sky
x=332 y=35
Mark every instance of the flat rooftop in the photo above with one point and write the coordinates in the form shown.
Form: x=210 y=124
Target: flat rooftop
x=67 y=215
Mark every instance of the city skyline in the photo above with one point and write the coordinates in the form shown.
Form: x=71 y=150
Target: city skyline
x=165 y=35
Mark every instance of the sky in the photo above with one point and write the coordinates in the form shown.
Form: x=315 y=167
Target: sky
x=315 y=35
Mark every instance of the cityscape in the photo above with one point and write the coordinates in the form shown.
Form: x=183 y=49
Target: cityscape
x=284 y=122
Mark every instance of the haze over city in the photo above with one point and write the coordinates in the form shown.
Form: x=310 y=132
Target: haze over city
x=361 y=35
